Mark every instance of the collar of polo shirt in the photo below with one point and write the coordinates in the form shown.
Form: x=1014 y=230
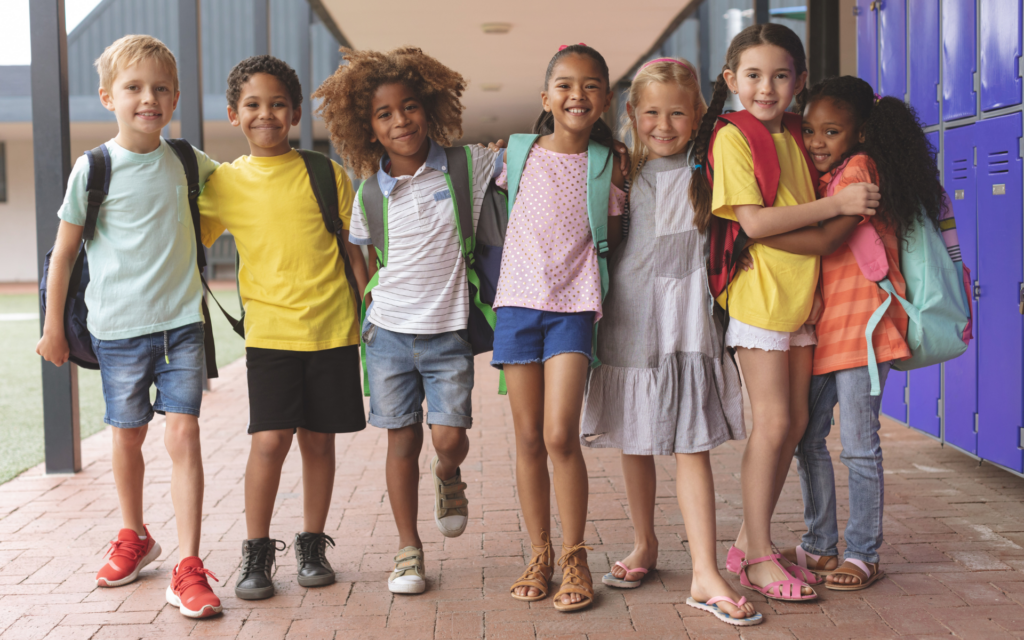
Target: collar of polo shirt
x=436 y=159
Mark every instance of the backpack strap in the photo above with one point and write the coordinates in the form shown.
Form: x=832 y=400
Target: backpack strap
x=793 y=122
x=97 y=187
x=375 y=207
x=519 y=145
x=460 y=183
x=767 y=171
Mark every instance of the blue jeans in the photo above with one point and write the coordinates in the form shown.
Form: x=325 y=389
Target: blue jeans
x=862 y=455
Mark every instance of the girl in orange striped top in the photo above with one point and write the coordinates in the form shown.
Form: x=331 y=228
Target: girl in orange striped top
x=853 y=136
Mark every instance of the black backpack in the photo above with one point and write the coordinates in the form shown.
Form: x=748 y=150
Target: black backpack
x=75 y=311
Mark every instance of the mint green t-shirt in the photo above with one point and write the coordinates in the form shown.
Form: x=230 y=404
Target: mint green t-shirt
x=142 y=258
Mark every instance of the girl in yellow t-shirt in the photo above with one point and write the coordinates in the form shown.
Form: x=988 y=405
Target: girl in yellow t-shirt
x=769 y=305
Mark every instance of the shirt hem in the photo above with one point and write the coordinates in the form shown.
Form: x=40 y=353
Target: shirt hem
x=285 y=345
x=136 y=332
x=853 y=364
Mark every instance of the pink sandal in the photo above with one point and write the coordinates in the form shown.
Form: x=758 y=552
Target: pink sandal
x=734 y=561
x=784 y=590
x=621 y=583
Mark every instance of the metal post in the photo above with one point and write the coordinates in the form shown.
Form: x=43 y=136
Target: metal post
x=51 y=144
x=822 y=39
x=708 y=71
x=190 y=73
x=305 y=72
x=261 y=26
x=761 y=11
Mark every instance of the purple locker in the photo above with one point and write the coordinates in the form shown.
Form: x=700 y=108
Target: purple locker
x=924 y=59
x=961 y=384
x=1000 y=324
x=925 y=389
x=1000 y=53
x=959 y=59
x=867 y=42
x=894 y=399
x=892 y=48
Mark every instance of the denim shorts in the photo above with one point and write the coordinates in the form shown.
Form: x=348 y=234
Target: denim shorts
x=173 y=360
x=404 y=369
x=525 y=336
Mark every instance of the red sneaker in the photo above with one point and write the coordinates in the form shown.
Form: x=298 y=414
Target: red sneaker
x=128 y=555
x=191 y=592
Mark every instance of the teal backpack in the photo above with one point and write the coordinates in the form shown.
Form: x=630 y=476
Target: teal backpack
x=937 y=302
x=599 y=180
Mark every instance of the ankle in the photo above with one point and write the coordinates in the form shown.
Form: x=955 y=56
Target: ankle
x=645 y=544
x=404 y=542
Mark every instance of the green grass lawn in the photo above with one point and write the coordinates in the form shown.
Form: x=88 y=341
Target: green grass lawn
x=21 y=401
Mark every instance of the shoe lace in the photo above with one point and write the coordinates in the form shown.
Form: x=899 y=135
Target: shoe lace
x=190 y=577
x=259 y=555
x=127 y=549
x=570 y=563
x=313 y=547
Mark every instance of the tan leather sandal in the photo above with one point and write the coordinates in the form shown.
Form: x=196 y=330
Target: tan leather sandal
x=866 y=574
x=576 y=578
x=538 y=572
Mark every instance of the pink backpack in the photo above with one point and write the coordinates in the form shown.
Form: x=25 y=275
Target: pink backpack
x=865 y=244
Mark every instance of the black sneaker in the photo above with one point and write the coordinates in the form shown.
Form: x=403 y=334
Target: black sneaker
x=254 y=582
x=311 y=557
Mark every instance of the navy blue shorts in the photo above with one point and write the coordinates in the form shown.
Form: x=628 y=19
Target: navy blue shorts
x=525 y=336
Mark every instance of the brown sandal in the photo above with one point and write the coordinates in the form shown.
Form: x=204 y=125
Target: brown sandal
x=865 y=573
x=538 y=572
x=576 y=578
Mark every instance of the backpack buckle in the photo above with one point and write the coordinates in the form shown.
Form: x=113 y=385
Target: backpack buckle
x=602 y=248
x=193 y=191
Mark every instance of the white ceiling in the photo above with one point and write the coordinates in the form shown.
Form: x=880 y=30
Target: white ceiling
x=450 y=31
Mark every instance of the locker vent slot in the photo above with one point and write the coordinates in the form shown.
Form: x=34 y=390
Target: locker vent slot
x=960 y=169
x=998 y=163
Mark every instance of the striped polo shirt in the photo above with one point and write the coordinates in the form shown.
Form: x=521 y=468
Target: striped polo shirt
x=423 y=288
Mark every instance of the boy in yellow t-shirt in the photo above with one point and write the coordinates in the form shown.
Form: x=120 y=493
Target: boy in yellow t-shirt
x=301 y=328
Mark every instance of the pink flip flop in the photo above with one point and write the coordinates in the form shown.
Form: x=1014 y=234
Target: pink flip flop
x=621 y=583
x=784 y=590
x=712 y=608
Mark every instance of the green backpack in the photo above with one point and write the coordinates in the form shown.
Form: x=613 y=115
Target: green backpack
x=599 y=179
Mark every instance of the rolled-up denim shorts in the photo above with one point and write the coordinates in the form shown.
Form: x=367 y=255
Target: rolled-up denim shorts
x=404 y=369
x=526 y=336
x=172 y=359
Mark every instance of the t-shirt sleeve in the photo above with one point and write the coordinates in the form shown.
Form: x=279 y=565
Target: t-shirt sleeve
x=207 y=166
x=502 y=179
x=72 y=210
x=616 y=201
x=358 y=231
x=735 y=183
x=487 y=165
x=209 y=205
x=345 y=196
x=860 y=168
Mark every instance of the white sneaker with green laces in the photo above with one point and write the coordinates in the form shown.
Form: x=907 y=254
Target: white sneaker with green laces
x=408 y=576
x=451 y=508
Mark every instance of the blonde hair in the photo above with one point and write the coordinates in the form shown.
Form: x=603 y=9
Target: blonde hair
x=130 y=50
x=665 y=70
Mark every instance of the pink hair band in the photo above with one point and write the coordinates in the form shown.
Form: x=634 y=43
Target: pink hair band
x=657 y=60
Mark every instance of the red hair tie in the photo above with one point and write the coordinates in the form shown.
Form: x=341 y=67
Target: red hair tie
x=566 y=46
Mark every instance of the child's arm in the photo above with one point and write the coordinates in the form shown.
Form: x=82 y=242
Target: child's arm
x=758 y=222
x=355 y=258
x=821 y=240
x=370 y=270
x=53 y=346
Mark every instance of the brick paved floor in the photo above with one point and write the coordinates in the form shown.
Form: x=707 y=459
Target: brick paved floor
x=954 y=554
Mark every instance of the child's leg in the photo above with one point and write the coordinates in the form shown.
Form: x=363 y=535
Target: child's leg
x=817 y=477
x=641 y=487
x=262 y=478
x=129 y=469
x=695 y=487
x=452 y=446
x=318 y=462
x=181 y=437
x=403 y=479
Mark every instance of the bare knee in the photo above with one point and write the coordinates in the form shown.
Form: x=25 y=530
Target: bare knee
x=448 y=440
x=129 y=439
x=315 y=444
x=561 y=444
x=271 y=445
x=181 y=435
x=530 y=443
x=405 y=442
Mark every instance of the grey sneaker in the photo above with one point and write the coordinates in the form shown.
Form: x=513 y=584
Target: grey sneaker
x=451 y=508
x=254 y=576
x=311 y=557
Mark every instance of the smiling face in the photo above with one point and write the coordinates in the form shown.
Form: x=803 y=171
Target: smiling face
x=665 y=118
x=143 y=99
x=399 y=123
x=577 y=94
x=265 y=114
x=830 y=133
x=766 y=81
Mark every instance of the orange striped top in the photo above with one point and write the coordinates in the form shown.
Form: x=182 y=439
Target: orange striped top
x=850 y=298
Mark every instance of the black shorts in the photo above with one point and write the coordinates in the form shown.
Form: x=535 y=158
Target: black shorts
x=317 y=390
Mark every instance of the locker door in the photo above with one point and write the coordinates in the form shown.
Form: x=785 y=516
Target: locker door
x=867 y=42
x=1000 y=259
x=1000 y=53
x=924 y=399
x=892 y=48
x=959 y=59
x=924 y=59
x=894 y=399
x=960 y=399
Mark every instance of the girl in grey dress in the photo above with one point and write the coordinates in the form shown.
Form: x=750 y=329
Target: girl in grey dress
x=665 y=385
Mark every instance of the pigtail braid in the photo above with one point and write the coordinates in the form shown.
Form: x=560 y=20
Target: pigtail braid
x=700 y=186
x=801 y=100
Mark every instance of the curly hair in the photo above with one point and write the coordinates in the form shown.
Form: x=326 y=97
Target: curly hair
x=263 y=64
x=348 y=97
x=908 y=177
x=545 y=124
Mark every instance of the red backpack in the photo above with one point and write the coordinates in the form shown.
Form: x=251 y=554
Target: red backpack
x=727 y=237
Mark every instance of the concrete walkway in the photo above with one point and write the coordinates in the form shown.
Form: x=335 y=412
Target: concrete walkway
x=954 y=554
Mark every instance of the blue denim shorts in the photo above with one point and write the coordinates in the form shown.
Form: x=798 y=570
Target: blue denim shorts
x=525 y=336
x=173 y=360
x=404 y=369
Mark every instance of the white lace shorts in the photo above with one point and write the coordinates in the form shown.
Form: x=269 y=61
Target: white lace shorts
x=740 y=334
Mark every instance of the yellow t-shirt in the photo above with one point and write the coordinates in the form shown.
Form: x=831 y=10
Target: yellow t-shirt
x=292 y=277
x=778 y=292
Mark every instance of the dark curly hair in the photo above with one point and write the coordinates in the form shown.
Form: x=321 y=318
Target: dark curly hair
x=545 y=124
x=348 y=95
x=908 y=177
x=263 y=64
x=767 y=33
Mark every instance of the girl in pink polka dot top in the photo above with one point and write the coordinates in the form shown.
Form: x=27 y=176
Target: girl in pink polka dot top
x=547 y=301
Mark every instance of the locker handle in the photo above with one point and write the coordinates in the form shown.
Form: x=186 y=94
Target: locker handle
x=1021 y=309
x=977 y=290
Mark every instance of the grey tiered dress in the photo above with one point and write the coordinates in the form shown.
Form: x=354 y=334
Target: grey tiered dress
x=665 y=385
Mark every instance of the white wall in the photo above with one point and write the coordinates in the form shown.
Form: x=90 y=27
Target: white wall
x=17 y=216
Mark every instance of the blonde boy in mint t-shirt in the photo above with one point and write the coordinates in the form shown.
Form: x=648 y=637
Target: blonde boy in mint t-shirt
x=145 y=318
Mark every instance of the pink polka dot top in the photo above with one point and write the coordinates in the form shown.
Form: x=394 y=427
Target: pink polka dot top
x=549 y=262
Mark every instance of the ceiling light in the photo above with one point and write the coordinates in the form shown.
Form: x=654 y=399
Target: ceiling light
x=490 y=86
x=496 y=27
